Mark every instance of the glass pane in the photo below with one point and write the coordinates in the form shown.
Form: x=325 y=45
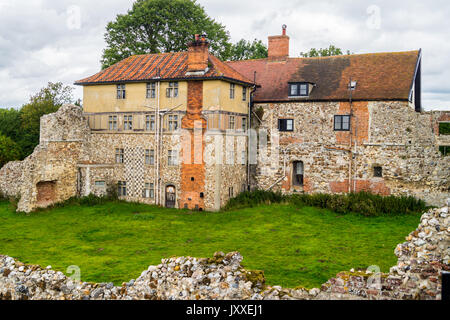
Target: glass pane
x=290 y=125
x=294 y=90
x=338 y=123
x=303 y=89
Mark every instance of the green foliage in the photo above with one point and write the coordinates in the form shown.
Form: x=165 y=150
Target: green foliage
x=246 y=50
x=363 y=203
x=323 y=52
x=23 y=126
x=249 y=199
x=154 y=26
x=9 y=150
x=10 y=123
x=444 y=128
x=116 y=241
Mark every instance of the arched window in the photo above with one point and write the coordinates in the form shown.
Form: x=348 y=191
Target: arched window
x=298 y=171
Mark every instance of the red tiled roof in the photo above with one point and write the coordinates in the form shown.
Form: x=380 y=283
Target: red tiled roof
x=171 y=66
x=379 y=76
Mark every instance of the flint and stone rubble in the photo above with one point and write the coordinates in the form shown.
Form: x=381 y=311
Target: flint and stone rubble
x=417 y=275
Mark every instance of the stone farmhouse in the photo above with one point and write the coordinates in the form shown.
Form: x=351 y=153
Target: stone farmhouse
x=187 y=130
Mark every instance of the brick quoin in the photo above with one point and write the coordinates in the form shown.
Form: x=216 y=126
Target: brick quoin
x=360 y=122
x=193 y=164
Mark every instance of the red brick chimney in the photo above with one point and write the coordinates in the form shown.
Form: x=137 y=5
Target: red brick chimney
x=279 y=46
x=198 y=52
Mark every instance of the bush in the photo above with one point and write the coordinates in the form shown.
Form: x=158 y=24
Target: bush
x=249 y=199
x=364 y=203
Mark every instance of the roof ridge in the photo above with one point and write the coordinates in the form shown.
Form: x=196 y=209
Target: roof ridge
x=329 y=57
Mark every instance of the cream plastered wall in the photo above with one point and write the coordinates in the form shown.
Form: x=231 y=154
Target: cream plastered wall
x=103 y=98
x=216 y=96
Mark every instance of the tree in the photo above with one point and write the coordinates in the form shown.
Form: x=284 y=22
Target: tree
x=154 y=26
x=10 y=123
x=47 y=100
x=330 y=51
x=245 y=50
x=9 y=150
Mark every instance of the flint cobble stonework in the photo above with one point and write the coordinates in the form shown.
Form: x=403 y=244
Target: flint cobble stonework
x=73 y=160
x=390 y=135
x=417 y=275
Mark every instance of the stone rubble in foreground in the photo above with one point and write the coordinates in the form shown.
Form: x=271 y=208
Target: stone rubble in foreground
x=417 y=275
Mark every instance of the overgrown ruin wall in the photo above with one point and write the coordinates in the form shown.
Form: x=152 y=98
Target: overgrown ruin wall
x=417 y=275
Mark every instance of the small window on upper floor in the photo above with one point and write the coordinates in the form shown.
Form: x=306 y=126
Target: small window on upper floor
x=151 y=90
x=341 y=123
x=121 y=94
x=232 y=90
x=172 y=90
x=299 y=89
x=244 y=93
x=286 y=124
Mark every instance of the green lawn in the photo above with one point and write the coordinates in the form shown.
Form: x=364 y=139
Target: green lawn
x=117 y=241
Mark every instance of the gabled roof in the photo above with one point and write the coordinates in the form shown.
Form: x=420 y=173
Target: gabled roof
x=168 y=66
x=379 y=76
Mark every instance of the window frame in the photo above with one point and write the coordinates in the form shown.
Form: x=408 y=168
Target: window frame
x=112 y=123
x=244 y=93
x=122 y=188
x=232 y=122
x=150 y=157
x=284 y=128
x=150 y=122
x=128 y=122
x=172 y=90
x=121 y=91
x=120 y=156
x=151 y=90
x=172 y=122
x=149 y=189
x=298 y=86
x=172 y=158
x=342 y=122
x=298 y=180
x=232 y=90
x=378 y=172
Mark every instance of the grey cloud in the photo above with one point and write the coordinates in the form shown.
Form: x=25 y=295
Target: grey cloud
x=36 y=46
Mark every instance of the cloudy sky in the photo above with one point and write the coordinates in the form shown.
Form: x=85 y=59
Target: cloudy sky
x=62 y=40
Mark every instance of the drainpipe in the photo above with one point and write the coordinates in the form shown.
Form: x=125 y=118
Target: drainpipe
x=351 y=141
x=249 y=126
x=157 y=142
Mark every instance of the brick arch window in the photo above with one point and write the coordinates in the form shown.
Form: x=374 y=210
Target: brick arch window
x=298 y=173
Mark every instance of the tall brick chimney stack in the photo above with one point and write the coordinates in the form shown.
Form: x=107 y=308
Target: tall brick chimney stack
x=198 y=52
x=279 y=46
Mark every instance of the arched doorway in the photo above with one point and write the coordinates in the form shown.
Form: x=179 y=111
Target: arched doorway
x=171 y=196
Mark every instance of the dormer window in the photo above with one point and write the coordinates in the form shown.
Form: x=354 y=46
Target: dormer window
x=299 y=89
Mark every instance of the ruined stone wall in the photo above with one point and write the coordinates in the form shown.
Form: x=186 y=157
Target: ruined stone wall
x=417 y=275
x=11 y=179
x=387 y=134
x=49 y=174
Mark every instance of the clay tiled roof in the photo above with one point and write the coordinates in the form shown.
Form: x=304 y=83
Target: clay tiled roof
x=170 y=66
x=379 y=76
